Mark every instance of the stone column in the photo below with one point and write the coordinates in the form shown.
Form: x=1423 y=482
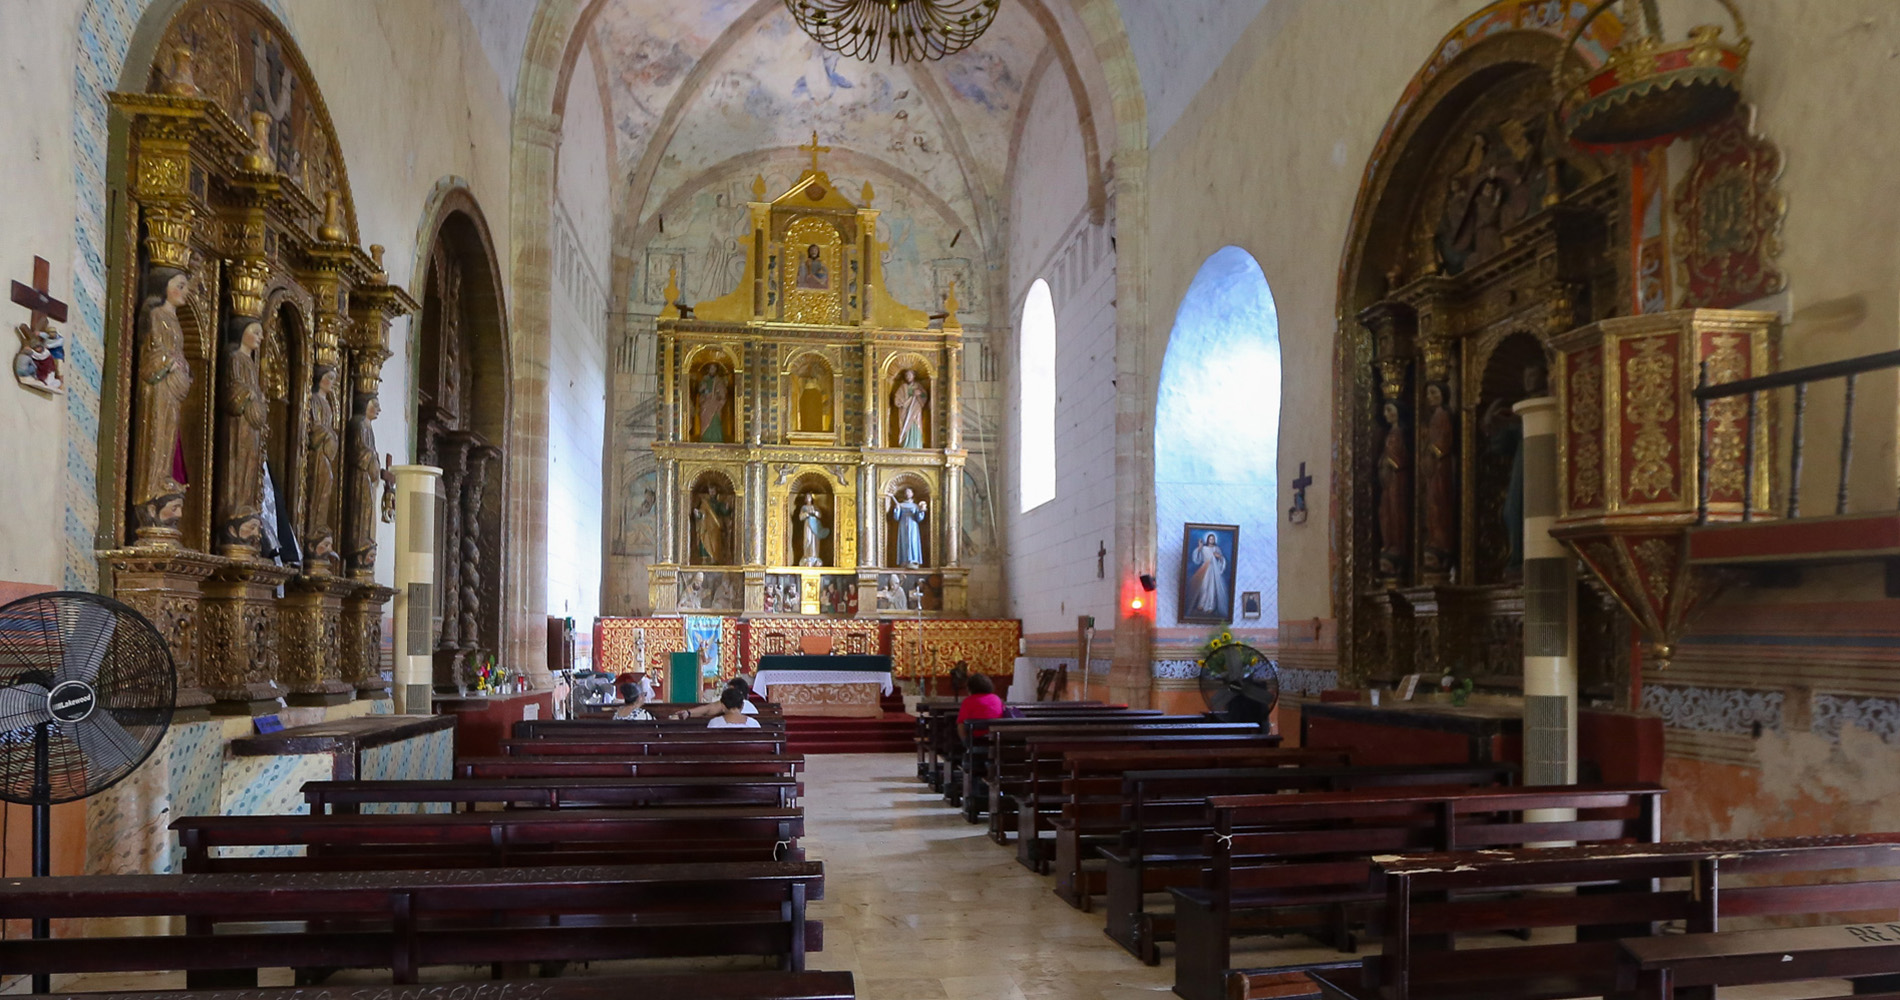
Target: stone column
x=756 y=513
x=949 y=513
x=951 y=385
x=416 y=539
x=1550 y=613
x=870 y=514
x=669 y=551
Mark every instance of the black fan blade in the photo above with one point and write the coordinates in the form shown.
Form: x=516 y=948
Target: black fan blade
x=23 y=706
x=84 y=639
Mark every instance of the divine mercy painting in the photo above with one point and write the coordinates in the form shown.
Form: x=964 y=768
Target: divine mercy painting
x=1208 y=556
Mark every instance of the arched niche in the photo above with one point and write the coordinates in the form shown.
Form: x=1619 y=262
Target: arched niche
x=1514 y=369
x=1475 y=222
x=815 y=488
x=462 y=403
x=814 y=408
x=285 y=364
x=1217 y=439
x=892 y=526
x=709 y=397
x=902 y=372
x=712 y=516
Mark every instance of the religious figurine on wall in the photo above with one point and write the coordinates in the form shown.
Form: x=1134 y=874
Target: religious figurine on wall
x=909 y=400
x=811 y=531
x=813 y=275
x=366 y=499
x=321 y=448
x=709 y=398
x=1395 y=496
x=909 y=514
x=1438 y=472
x=712 y=512
x=1504 y=435
x=245 y=414
x=164 y=380
x=42 y=349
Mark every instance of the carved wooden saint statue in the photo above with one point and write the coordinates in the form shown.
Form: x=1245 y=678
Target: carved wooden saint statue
x=909 y=400
x=1438 y=473
x=321 y=449
x=1395 y=496
x=164 y=380
x=712 y=511
x=709 y=398
x=244 y=416
x=909 y=513
x=811 y=531
x=366 y=476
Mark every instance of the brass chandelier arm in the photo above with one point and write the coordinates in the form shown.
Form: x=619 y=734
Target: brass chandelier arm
x=913 y=30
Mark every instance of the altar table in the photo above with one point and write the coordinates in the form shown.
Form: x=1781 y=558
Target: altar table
x=835 y=686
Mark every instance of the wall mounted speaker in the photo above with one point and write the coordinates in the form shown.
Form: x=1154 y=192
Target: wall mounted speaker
x=1148 y=582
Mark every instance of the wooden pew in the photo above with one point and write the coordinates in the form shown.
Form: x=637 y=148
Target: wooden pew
x=674 y=986
x=1614 y=897
x=1056 y=781
x=695 y=743
x=602 y=729
x=1164 y=827
x=488 y=839
x=1009 y=752
x=1274 y=859
x=946 y=741
x=556 y=792
x=408 y=920
x=969 y=773
x=958 y=743
x=606 y=765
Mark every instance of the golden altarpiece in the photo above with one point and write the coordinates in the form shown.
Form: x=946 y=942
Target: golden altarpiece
x=241 y=485
x=810 y=448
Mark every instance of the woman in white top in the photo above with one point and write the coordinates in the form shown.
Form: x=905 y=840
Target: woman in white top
x=713 y=708
x=732 y=717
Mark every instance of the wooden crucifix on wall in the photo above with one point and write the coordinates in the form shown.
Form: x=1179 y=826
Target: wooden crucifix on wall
x=42 y=349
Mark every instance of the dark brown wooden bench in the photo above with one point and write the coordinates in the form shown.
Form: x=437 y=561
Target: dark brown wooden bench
x=605 y=765
x=1057 y=782
x=408 y=920
x=605 y=729
x=1304 y=861
x=665 y=986
x=1010 y=753
x=1614 y=898
x=938 y=740
x=490 y=839
x=981 y=739
x=695 y=743
x=954 y=743
x=1161 y=825
x=555 y=792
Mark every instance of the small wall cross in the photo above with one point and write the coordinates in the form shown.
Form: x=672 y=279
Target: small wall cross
x=36 y=298
x=1297 y=512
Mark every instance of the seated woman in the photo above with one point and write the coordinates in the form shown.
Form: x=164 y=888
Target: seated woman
x=982 y=703
x=731 y=716
x=713 y=708
x=635 y=709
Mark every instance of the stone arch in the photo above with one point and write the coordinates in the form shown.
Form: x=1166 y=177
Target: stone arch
x=1217 y=426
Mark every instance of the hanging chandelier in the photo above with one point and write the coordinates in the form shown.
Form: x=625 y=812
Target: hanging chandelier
x=910 y=30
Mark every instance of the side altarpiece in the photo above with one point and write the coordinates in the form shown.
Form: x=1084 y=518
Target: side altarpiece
x=810 y=443
x=241 y=485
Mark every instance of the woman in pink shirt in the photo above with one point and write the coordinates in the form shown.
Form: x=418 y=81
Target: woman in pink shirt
x=981 y=704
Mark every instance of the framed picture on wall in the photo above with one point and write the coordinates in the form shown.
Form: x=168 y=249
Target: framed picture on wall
x=1208 y=556
x=1250 y=604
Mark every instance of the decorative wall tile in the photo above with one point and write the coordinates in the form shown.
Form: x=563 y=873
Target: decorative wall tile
x=1307 y=683
x=1183 y=670
x=1714 y=710
x=1834 y=712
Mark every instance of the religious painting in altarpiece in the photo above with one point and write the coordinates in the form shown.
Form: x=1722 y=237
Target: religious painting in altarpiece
x=1478 y=235
x=788 y=406
x=241 y=484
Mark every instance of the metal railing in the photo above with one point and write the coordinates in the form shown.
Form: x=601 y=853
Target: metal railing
x=1799 y=379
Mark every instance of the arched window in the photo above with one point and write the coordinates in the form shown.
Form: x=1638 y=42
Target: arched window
x=1217 y=443
x=1038 y=374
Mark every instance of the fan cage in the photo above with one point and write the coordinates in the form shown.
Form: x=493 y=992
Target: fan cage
x=53 y=637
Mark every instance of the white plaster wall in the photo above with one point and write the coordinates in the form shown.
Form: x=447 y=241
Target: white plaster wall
x=1177 y=45
x=577 y=373
x=37 y=40
x=503 y=28
x=1050 y=568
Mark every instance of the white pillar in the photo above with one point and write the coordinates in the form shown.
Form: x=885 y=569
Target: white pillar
x=416 y=540
x=1550 y=609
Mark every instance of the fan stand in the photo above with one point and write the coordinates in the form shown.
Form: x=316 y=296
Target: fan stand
x=42 y=833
